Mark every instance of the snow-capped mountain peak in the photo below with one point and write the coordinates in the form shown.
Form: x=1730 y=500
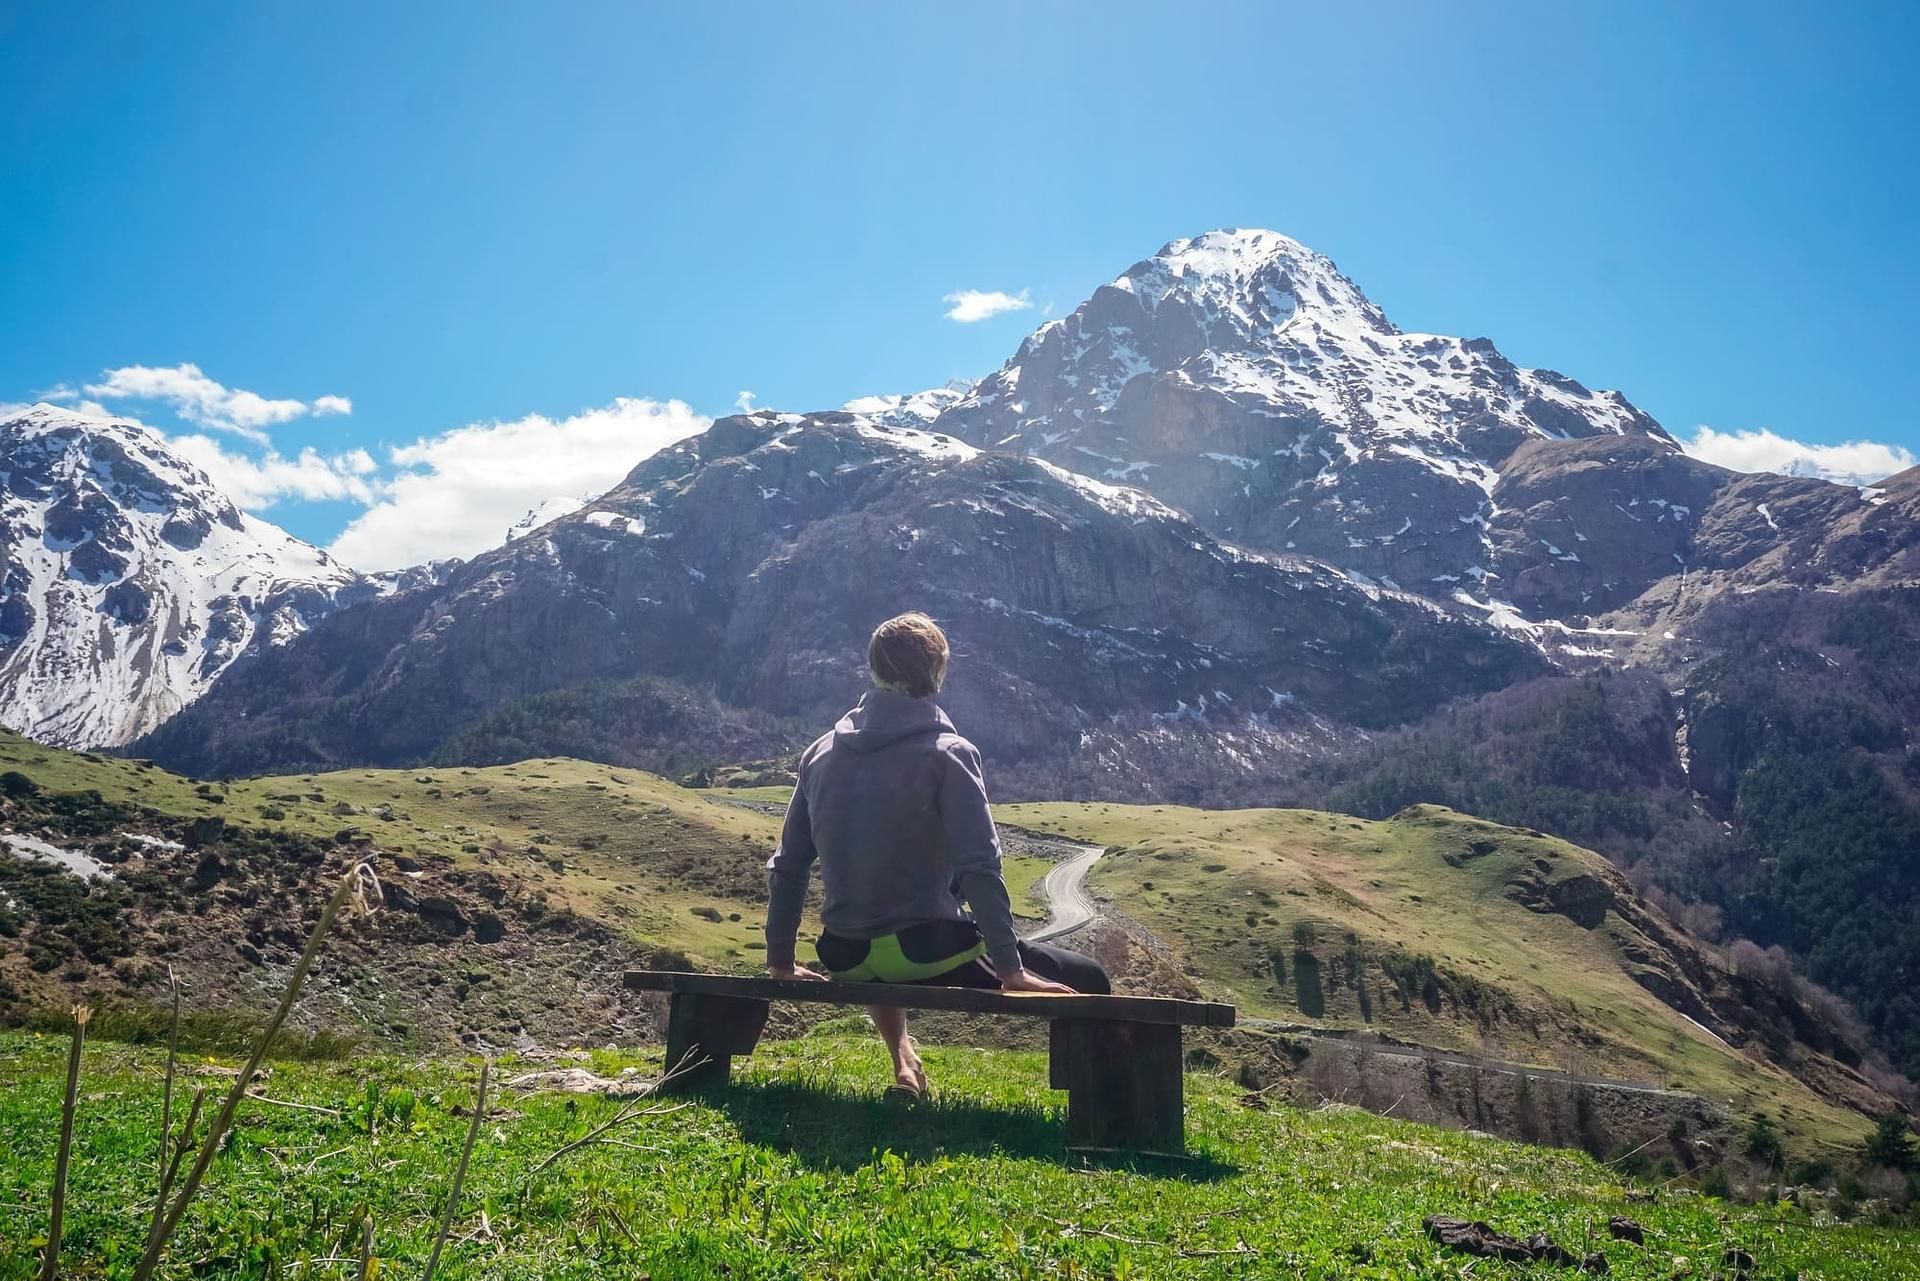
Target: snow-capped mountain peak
x=1239 y=376
x=1253 y=284
x=128 y=581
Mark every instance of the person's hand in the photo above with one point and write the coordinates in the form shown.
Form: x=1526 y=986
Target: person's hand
x=795 y=972
x=1025 y=980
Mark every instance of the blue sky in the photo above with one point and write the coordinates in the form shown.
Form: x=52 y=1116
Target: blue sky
x=472 y=213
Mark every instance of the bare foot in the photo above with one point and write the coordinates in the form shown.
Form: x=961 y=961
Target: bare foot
x=911 y=1075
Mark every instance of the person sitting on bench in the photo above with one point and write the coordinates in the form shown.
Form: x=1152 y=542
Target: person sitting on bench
x=892 y=804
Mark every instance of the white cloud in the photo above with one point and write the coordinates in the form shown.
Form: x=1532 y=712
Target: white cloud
x=744 y=402
x=460 y=491
x=62 y=394
x=1855 y=462
x=970 y=305
x=199 y=399
x=257 y=483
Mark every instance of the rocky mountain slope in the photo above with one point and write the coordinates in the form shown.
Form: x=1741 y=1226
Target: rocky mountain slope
x=128 y=582
x=752 y=561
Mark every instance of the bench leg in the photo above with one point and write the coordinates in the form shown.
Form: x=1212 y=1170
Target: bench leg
x=703 y=1035
x=1122 y=1082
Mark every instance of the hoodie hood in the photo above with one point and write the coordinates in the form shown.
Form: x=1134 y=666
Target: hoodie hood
x=882 y=718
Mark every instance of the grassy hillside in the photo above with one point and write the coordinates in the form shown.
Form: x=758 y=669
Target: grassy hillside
x=1771 y=783
x=1441 y=929
x=800 y=1170
x=629 y=847
x=520 y=892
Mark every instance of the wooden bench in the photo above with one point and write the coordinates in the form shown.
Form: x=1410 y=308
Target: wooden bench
x=1117 y=1057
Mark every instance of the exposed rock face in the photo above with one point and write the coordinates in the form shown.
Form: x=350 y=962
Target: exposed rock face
x=128 y=582
x=1597 y=526
x=753 y=560
x=1786 y=546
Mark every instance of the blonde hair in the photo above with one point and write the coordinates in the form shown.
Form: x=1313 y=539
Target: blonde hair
x=908 y=655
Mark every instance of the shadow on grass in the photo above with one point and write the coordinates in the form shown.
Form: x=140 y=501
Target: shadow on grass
x=831 y=1129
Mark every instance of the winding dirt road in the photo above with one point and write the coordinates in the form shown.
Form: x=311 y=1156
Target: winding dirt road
x=1064 y=887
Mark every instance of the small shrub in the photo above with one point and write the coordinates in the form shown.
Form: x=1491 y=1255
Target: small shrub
x=1814 y=1173
x=397 y=1104
x=1763 y=1142
x=1890 y=1145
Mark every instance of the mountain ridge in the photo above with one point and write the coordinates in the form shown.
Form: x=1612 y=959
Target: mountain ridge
x=754 y=558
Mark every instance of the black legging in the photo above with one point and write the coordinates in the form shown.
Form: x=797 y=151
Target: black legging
x=1081 y=973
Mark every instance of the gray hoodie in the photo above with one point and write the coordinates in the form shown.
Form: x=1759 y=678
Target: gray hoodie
x=892 y=803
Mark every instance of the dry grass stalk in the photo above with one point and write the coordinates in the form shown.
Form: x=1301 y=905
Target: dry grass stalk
x=631 y=1111
x=460 y=1170
x=170 y=1168
x=367 y=1265
x=357 y=888
x=50 y=1267
x=166 y=1097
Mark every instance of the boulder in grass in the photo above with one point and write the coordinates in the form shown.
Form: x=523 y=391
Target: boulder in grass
x=1476 y=1238
x=1482 y=1239
x=1546 y=1250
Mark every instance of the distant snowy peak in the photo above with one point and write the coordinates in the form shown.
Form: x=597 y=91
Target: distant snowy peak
x=433 y=573
x=916 y=410
x=128 y=581
x=547 y=509
x=116 y=459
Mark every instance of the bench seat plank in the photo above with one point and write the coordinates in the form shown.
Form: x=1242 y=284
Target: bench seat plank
x=1129 y=1009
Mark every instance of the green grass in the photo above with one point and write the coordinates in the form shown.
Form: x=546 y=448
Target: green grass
x=1023 y=873
x=768 y=795
x=800 y=1170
